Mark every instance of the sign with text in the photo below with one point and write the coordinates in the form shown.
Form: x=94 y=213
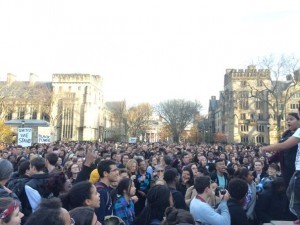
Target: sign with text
x=44 y=135
x=24 y=137
x=132 y=140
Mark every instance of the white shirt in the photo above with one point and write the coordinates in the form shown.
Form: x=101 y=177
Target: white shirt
x=297 y=162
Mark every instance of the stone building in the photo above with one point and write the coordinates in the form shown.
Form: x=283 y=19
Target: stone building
x=246 y=110
x=77 y=107
x=24 y=100
x=73 y=104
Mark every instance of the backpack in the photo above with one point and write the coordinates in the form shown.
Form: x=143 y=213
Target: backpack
x=17 y=186
x=101 y=186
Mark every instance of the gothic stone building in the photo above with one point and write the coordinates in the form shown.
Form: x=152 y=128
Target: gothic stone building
x=245 y=111
x=72 y=103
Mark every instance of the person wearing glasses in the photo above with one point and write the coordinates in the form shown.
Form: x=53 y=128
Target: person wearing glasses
x=50 y=212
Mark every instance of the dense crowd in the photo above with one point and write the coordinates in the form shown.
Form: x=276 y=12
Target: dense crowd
x=149 y=183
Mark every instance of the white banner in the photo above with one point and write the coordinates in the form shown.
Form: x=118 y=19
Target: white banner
x=44 y=135
x=25 y=137
x=132 y=140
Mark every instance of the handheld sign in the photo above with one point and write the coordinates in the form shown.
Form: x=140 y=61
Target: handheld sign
x=25 y=137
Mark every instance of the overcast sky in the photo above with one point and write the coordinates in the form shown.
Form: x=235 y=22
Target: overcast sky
x=146 y=51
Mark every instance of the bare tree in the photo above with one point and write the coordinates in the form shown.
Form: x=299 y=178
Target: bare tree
x=178 y=114
x=138 y=118
x=281 y=85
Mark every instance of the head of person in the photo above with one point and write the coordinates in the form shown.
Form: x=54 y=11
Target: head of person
x=187 y=176
x=37 y=165
x=73 y=169
x=220 y=166
x=171 y=176
x=57 y=184
x=177 y=216
x=202 y=185
x=194 y=169
x=167 y=160
x=278 y=185
x=258 y=166
x=237 y=189
x=159 y=198
x=131 y=166
x=273 y=170
x=210 y=155
x=202 y=161
x=123 y=173
x=292 y=121
x=124 y=159
x=24 y=168
x=159 y=169
x=246 y=175
x=108 y=171
x=51 y=158
x=6 y=169
x=126 y=187
x=10 y=212
x=88 y=196
x=185 y=158
x=113 y=220
x=142 y=166
x=50 y=212
x=84 y=216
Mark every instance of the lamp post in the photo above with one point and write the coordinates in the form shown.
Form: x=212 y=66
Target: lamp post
x=268 y=127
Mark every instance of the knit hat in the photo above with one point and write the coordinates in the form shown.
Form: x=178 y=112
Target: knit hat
x=6 y=169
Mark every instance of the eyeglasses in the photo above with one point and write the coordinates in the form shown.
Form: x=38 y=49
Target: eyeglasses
x=160 y=171
x=72 y=221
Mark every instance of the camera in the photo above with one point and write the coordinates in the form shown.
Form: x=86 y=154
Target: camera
x=220 y=190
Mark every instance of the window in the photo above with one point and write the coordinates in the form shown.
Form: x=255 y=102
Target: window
x=8 y=116
x=33 y=113
x=244 y=127
x=294 y=106
x=260 y=139
x=45 y=117
x=260 y=128
x=295 y=95
x=260 y=83
x=244 y=104
x=258 y=104
x=260 y=116
x=243 y=116
x=252 y=116
x=243 y=83
x=244 y=139
x=21 y=113
x=244 y=94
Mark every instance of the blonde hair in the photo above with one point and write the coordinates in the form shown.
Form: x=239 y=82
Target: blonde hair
x=129 y=164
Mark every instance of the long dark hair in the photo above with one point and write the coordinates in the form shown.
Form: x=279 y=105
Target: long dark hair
x=77 y=195
x=124 y=184
x=158 y=199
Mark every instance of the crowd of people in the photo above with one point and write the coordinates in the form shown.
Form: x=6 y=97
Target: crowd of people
x=150 y=183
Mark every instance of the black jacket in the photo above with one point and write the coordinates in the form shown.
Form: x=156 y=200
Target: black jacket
x=214 y=177
x=37 y=182
x=272 y=205
x=237 y=213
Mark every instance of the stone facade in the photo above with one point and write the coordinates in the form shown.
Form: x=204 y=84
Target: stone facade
x=246 y=118
x=72 y=103
x=77 y=107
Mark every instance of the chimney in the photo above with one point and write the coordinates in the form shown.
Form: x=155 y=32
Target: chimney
x=32 y=79
x=10 y=78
